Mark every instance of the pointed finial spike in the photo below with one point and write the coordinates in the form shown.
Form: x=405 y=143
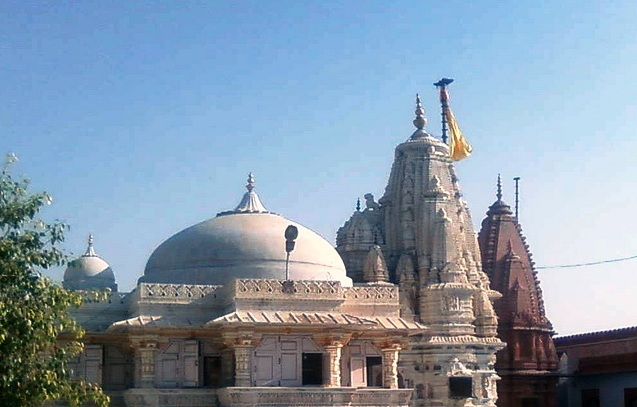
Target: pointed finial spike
x=499 y=193
x=90 y=251
x=358 y=205
x=420 y=119
x=250 y=184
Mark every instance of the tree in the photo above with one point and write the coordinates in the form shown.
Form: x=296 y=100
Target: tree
x=38 y=336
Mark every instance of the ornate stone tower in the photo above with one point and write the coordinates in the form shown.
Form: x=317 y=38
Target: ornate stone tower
x=529 y=363
x=425 y=231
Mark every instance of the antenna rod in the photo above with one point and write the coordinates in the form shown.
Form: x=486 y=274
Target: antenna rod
x=517 y=197
x=442 y=85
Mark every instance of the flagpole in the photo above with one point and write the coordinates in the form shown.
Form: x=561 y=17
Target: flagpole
x=442 y=85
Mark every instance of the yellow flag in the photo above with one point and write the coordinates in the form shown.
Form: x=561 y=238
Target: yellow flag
x=459 y=148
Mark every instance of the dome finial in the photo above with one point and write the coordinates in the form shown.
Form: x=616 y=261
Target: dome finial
x=358 y=205
x=250 y=184
x=250 y=202
x=420 y=119
x=90 y=251
x=499 y=193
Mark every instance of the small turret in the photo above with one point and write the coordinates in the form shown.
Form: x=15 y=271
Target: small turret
x=89 y=272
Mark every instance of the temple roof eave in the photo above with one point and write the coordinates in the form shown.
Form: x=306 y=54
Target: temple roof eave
x=316 y=319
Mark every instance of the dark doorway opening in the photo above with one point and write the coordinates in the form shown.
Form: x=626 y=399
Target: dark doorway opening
x=530 y=402
x=630 y=397
x=212 y=371
x=460 y=387
x=374 y=371
x=312 y=369
x=590 y=398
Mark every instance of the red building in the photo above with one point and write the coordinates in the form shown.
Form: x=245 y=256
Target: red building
x=528 y=365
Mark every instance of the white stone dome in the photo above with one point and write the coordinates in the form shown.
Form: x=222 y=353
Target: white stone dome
x=248 y=242
x=89 y=272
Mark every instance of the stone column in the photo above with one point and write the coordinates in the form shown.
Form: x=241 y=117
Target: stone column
x=332 y=360
x=145 y=353
x=390 y=367
x=243 y=364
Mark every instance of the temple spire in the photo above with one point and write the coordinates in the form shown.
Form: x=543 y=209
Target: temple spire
x=90 y=251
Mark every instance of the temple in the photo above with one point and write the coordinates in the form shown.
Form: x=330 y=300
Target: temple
x=400 y=313
x=528 y=366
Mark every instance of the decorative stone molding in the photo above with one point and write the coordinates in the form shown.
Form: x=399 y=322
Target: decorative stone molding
x=309 y=289
x=373 y=293
x=313 y=396
x=171 y=397
x=175 y=291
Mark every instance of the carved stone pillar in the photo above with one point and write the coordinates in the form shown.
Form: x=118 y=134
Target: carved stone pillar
x=390 y=367
x=242 y=344
x=332 y=360
x=243 y=364
x=145 y=353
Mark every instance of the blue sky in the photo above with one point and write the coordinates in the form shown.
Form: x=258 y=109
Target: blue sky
x=142 y=118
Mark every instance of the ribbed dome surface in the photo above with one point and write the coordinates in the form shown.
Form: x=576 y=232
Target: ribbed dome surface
x=242 y=245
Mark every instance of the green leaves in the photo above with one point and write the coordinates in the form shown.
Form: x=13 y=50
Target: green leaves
x=38 y=337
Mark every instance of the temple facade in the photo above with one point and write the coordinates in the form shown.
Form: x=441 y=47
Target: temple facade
x=528 y=366
x=399 y=314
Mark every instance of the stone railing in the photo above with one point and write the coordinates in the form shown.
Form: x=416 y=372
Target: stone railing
x=313 y=396
x=102 y=297
x=308 y=289
x=372 y=293
x=180 y=292
x=171 y=397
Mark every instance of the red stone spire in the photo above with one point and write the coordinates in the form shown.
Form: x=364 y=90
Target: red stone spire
x=530 y=355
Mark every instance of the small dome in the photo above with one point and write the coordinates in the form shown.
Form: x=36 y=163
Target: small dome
x=248 y=242
x=89 y=272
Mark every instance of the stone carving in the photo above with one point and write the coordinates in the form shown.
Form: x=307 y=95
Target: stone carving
x=370 y=204
x=457 y=368
x=408 y=286
x=451 y=303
